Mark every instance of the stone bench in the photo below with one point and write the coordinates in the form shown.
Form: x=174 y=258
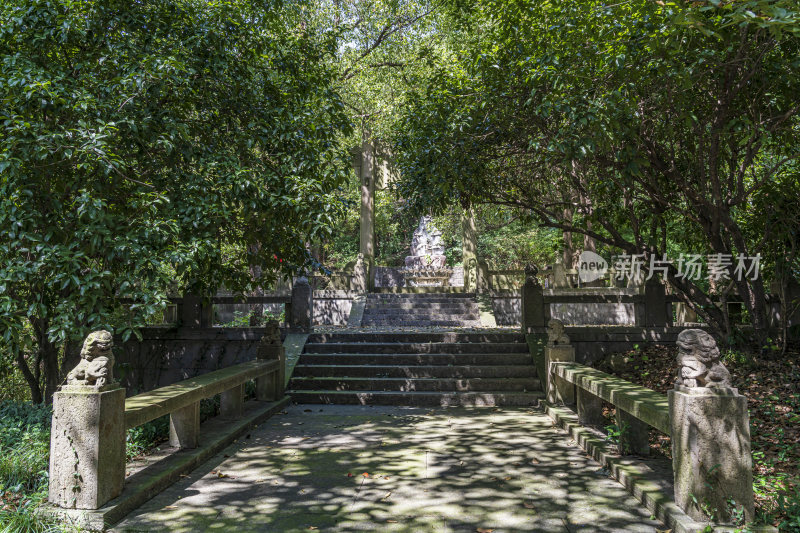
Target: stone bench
x=641 y=407
x=182 y=400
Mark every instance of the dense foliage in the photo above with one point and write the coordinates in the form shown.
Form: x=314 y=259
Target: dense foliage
x=639 y=124
x=150 y=147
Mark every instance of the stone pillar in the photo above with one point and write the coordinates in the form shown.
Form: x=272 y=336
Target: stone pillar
x=366 y=175
x=231 y=403
x=655 y=304
x=634 y=435
x=710 y=431
x=302 y=305
x=590 y=408
x=195 y=313
x=271 y=387
x=557 y=350
x=469 y=250
x=560 y=280
x=184 y=426
x=87 y=446
x=533 y=312
x=711 y=451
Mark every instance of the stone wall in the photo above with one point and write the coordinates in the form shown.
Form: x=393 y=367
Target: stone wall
x=592 y=343
x=167 y=355
x=332 y=307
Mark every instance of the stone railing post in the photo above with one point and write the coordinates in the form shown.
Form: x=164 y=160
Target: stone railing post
x=655 y=304
x=271 y=387
x=195 y=313
x=558 y=350
x=710 y=435
x=87 y=439
x=302 y=305
x=533 y=311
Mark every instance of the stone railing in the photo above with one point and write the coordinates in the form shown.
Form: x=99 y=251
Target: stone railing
x=90 y=417
x=193 y=311
x=645 y=307
x=705 y=417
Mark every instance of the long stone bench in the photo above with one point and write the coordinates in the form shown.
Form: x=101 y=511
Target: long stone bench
x=644 y=404
x=182 y=400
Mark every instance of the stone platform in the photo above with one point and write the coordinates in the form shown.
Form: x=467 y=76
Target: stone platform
x=356 y=468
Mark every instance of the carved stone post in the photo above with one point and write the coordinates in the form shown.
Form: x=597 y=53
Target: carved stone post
x=533 y=312
x=87 y=439
x=557 y=350
x=710 y=434
x=302 y=305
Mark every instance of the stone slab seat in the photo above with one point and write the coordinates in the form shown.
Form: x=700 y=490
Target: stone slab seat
x=647 y=405
x=148 y=406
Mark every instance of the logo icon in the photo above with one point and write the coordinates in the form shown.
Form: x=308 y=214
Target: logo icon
x=591 y=266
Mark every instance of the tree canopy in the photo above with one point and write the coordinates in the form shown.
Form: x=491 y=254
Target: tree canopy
x=151 y=147
x=650 y=127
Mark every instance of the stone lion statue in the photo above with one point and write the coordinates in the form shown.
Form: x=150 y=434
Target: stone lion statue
x=96 y=367
x=555 y=333
x=698 y=360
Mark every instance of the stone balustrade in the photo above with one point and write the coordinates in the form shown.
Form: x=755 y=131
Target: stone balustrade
x=706 y=418
x=87 y=448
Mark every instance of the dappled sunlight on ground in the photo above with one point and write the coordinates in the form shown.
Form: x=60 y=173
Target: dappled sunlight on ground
x=357 y=468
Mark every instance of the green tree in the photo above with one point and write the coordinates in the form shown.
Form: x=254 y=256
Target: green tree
x=148 y=147
x=639 y=124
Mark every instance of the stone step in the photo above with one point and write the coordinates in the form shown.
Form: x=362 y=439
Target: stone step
x=416 y=347
x=433 y=359
x=431 y=310
x=417 y=371
x=460 y=337
x=437 y=300
x=416 y=384
x=399 y=307
x=443 y=399
x=446 y=295
x=411 y=323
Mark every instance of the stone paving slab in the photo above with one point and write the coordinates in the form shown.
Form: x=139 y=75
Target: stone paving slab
x=361 y=468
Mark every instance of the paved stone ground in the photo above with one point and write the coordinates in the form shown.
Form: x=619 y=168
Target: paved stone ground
x=360 y=468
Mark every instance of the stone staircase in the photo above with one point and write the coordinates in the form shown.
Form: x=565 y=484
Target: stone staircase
x=416 y=368
x=421 y=310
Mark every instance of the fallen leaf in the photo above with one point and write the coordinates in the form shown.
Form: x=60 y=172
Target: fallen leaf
x=171 y=507
x=392 y=521
x=365 y=474
x=528 y=505
x=312 y=527
x=484 y=530
x=387 y=495
x=349 y=474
